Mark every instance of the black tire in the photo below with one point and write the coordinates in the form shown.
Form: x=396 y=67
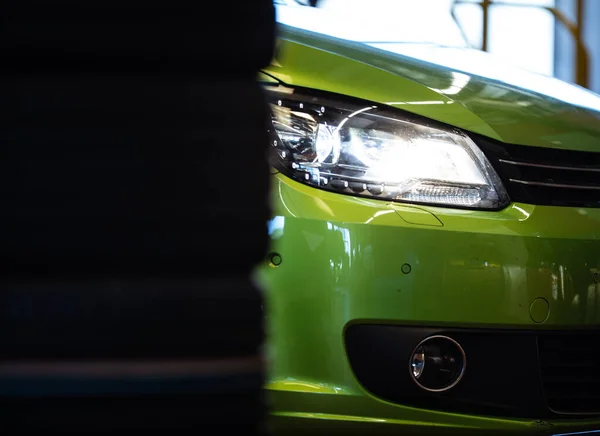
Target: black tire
x=134 y=185
x=133 y=213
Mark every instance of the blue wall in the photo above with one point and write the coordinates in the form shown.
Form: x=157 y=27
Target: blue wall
x=564 y=67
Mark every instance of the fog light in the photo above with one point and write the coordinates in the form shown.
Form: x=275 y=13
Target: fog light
x=437 y=363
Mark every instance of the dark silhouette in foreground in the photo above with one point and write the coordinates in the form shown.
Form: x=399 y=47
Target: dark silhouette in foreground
x=134 y=184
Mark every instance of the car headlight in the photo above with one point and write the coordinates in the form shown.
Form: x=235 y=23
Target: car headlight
x=352 y=147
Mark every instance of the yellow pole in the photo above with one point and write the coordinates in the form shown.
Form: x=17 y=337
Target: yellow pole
x=581 y=66
x=485 y=7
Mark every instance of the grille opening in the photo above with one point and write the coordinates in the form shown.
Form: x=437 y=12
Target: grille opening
x=570 y=368
x=546 y=176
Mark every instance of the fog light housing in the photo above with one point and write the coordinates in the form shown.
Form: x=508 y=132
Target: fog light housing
x=437 y=364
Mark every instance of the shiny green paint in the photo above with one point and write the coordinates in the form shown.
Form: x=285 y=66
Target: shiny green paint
x=341 y=263
x=342 y=256
x=346 y=415
x=484 y=106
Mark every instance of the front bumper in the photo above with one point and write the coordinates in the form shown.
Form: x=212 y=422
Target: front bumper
x=344 y=261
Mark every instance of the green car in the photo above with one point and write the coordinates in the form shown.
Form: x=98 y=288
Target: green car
x=435 y=237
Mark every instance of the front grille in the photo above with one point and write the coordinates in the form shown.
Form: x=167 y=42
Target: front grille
x=546 y=176
x=570 y=368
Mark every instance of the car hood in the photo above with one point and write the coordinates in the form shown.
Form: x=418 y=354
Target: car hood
x=462 y=87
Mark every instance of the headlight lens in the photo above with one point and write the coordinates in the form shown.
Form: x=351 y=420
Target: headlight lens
x=367 y=150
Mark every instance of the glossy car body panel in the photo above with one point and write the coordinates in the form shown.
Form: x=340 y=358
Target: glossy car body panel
x=342 y=261
x=347 y=260
x=499 y=110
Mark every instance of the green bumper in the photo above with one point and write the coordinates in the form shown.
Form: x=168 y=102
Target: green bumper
x=344 y=260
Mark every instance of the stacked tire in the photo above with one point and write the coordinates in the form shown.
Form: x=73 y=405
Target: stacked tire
x=134 y=186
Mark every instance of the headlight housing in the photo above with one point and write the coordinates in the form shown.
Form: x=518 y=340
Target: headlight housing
x=360 y=148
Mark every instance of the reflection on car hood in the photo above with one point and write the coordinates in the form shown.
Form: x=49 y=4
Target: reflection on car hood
x=481 y=65
x=467 y=88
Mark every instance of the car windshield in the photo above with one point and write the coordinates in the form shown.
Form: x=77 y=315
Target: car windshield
x=376 y=22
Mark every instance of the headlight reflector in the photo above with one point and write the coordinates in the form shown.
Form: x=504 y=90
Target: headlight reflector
x=363 y=149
